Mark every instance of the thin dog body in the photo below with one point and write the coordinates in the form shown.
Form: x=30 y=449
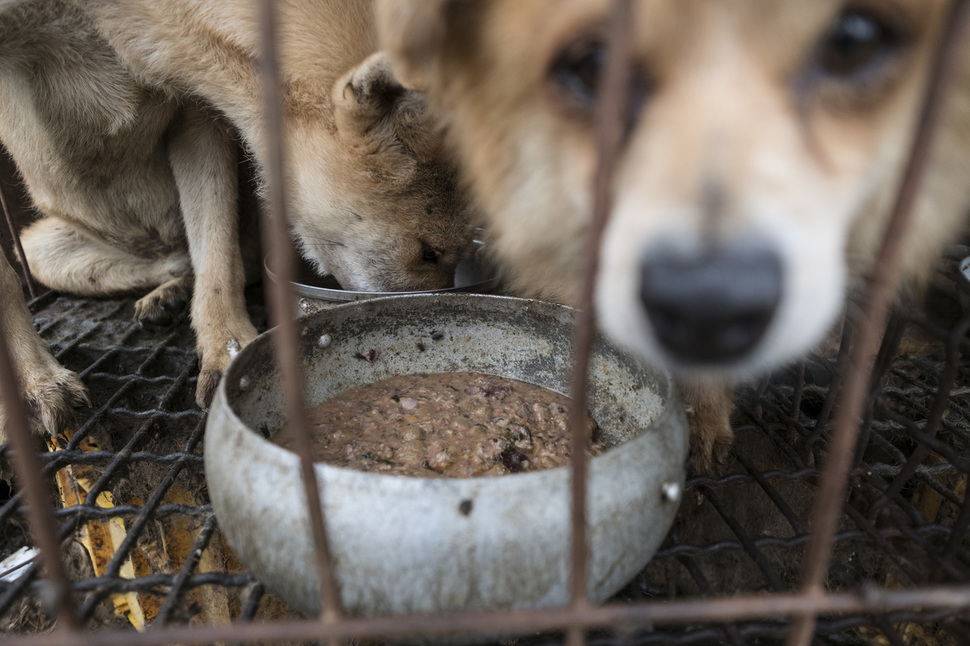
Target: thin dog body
x=135 y=174
x=373 y=199
x=765 y=143
x=137 y=190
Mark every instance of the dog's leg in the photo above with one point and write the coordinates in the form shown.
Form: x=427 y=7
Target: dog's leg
x=65 y=258
x=203 y=159
x=50 y=390
x=165 y=304
x=709 y=418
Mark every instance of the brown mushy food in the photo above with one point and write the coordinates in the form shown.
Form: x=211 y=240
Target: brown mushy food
x=453 y=424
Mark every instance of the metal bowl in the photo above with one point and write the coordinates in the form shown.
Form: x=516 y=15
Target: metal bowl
x=474 y=274
x=407 y=544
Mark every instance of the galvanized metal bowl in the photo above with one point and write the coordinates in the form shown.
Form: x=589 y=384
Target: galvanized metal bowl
x=474 y=274
x=406 y=544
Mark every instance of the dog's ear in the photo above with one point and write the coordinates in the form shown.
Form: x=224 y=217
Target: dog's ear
x=412 y=32
x=379 y=117
x=366 y=95
x=416 y=126
x=375 y=110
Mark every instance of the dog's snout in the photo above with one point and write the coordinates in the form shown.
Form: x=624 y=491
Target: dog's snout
x=712 y=305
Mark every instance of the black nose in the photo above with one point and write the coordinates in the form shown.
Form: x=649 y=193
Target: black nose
x=711 y=305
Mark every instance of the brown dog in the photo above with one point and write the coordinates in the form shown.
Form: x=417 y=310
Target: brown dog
x=135 y=173
x=765 y=144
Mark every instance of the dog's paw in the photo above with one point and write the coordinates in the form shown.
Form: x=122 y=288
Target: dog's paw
x=709 y=407
x=205 y=390
x=214 y=363
x=50 y=401
x=710 y=445
x=372 y=81
x=165 y=305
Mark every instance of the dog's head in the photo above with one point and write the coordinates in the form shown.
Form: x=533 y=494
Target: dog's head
x=395 y=218
x=764 y=138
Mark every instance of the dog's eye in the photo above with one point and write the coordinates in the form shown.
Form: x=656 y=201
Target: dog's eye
x=578 y=69
x=429 y=253
x=856 y=42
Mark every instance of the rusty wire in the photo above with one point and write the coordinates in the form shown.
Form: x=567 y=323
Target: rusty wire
x=579 y=616
x=18 y=247
x=129 y=356
x=28 y=468
x=141 y=355
x=610 y=116
x=876 y=305
x=276 y=230
x=725 y=608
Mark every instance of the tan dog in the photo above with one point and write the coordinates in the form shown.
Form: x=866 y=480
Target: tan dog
x=51 y=391
x=137 y=179
x=138 y=191
x=765 y=143
x=373 y=202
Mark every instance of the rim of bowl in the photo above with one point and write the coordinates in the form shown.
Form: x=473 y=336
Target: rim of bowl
x=349 y=295
x=669 y=394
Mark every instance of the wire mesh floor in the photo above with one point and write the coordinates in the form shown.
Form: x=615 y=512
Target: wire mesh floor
x=144 y=548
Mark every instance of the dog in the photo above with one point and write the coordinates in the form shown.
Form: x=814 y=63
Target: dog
x=51 y=391
x=764 y=145
x=136 y=179
x=375 y=203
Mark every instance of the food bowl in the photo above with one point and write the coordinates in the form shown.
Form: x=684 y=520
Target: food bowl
x=474 y=274
x=407 y=544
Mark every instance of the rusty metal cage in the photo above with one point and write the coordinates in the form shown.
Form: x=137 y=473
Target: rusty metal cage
x=820 y=529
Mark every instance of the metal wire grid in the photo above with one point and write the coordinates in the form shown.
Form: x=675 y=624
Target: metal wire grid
x=746 y=530
x=142 y=386
x=935 y=559
x=148 y=439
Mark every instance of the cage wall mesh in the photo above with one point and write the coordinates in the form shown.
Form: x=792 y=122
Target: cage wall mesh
x=130 y=474
x=143 y=549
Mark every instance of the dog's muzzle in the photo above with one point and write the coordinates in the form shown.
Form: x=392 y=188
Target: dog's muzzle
x=712 y=305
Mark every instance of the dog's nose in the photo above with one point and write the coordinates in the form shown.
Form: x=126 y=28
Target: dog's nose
x=712 y=305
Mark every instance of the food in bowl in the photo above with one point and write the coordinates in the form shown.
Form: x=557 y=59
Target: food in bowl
x=451 y=424
x=408 y=545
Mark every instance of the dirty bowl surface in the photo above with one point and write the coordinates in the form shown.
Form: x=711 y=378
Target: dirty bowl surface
x=473 y=274
x=405 y=544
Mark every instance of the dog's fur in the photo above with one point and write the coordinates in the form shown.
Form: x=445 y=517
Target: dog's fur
x=373 y=201
x=136 y=174
x=51 y=391
x=754 y=126
x=137 y=191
